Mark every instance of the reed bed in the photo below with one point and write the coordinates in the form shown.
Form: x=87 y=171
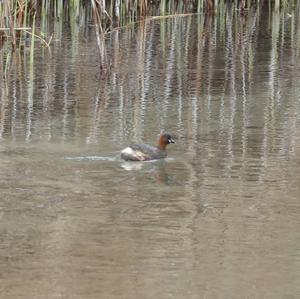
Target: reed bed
x=18 y=16
x=24 y=21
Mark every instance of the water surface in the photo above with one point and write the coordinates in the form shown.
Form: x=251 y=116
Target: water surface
x=219 y=218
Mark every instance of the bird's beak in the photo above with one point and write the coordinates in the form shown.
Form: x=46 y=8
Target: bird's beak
x=171 y=140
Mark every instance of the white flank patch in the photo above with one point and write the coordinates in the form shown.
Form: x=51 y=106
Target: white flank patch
x=129 y=154
x=128 y=151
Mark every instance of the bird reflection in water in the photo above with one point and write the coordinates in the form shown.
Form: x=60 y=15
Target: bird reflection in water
x=156 y=168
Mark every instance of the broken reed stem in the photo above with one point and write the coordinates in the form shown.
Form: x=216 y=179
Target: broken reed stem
x=151 y=18
x=40 y=38
x=16 y=28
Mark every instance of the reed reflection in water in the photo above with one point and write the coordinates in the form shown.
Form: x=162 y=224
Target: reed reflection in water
x=218 y=218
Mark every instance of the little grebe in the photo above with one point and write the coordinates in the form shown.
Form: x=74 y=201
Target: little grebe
x=146 y=152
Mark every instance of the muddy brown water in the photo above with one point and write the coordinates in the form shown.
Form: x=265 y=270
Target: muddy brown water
x=219 y=218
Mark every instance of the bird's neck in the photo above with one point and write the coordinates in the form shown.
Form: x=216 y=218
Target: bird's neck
x=162 y=145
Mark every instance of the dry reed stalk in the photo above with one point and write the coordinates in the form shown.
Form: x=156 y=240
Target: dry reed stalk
x=99 y=8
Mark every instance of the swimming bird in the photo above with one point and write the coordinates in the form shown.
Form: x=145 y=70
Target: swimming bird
x=146 y=152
